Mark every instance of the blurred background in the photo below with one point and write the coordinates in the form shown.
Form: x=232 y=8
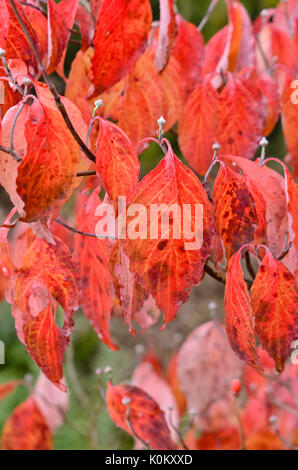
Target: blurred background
x=86 y=354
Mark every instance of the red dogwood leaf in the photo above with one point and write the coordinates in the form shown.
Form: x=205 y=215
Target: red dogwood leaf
x=120 y=38
x=201 y=359
x=94 y=257
x=239 y=314
x=47 y=274
x=165 y=266
x=145 y=417
x=47 y=174
x=117 y=162
x=13 y=39
x=26 y=429
x=274 y=298
x=196 y=129
x=240 y=210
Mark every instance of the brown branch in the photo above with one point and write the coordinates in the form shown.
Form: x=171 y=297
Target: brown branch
x=85 y=234
x=214 y=274
x=51 y=86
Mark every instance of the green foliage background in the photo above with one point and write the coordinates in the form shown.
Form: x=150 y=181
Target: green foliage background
x=89 y=426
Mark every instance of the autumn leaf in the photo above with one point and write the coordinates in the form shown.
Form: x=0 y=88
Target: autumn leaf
x=240 y=47
x=47 y=273
x=60 y=21
x=273 y=192
x=26 y=429
x=167 y=34
x=117 y=162
x=94 y=257
x=13 y=39
x=144 y=415
x=196 y=129
x=201 y=359
x=274 y=298
x=189 y=52
x=163 y=264
x=119 y=39
x=289 y=115
x=240 y=211
x=47 y=174
x=239 y=317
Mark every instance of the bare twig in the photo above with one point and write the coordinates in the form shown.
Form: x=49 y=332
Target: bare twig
x=179 y=434
x=51 y=86
x=214 y=274
x=249 y=266
x=80 y=232
x=207 y=16
x=135 y=435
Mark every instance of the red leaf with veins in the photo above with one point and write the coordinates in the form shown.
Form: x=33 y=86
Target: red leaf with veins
x=239 y=314
x=47 y=274
x=274 y=298
x=146 y=418
x=240 y=210
x=94 y=257
x=120 y=38
x=164 y=265
x=47 y=174
x=117 y=162
x=26 y=429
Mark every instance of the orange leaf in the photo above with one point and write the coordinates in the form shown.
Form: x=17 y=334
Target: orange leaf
x=240 y=210
x=119 y=39
x=189 y=52
x=163 y=264
x=196 y=129
x=167 y=34
x=274 y=298
x=116 y=162
x=60 y=21
x=146 y=418
x=13 y=39
x=47 y=174
x=239 y=314
x=26 y=429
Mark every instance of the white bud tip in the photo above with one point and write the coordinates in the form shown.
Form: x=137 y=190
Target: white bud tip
x=125 y=401
x=264 y=13
x=98 y=371
x=216 y=146
x=107 y=369
x=272 y=419
x=27 y=81
x=98 y=103
x=2 y=51
x=161 y=121
x=264 y=142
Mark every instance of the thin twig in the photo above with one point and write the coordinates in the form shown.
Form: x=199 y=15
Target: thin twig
x=11 y=152
x=85 y=234
x=51 y=86
x=285 y=252
x=179 y=434
x=214 y=274
x=249 y=266
x=207 y=16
